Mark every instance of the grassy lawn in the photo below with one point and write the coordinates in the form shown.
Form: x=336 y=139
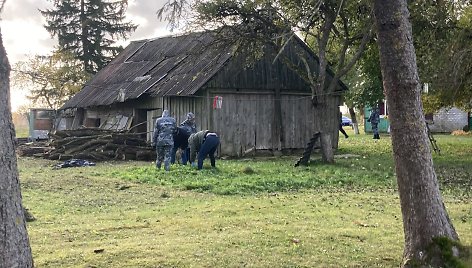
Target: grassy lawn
x=22 y=132
x=259 y=212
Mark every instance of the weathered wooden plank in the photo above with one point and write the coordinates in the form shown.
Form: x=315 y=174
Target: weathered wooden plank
x=264 y=123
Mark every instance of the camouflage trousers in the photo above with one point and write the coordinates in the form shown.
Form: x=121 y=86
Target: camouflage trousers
x=163 y=155
x=375 y=130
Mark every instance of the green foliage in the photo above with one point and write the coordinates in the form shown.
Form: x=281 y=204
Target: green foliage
x=441 y=30
x=365 y=83
x=431 y=103
x=247 y=25
x=52 y=79
x=88 y=29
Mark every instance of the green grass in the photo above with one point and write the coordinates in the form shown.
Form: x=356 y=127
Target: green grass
x=22 y=132
x=268 y=175
x=259 y=212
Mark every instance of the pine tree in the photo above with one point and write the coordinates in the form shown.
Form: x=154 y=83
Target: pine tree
x=88 y=29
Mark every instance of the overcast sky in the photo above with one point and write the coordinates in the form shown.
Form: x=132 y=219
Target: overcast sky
x=23 y=32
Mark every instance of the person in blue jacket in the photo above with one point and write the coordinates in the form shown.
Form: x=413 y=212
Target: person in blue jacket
x=162 y=138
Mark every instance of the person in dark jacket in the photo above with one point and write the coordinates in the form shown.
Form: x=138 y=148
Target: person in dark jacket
x=162 y=138
x=341 y=126
x=188 y=127
x=205 y=143
x=374 y=120
x=180 y=142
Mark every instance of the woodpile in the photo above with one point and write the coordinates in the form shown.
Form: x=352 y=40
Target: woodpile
x=97 y=144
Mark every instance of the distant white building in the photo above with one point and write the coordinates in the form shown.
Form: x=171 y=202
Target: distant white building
x=448 y=120
x=344 y=109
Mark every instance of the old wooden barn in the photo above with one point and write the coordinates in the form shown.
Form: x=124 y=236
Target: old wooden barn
x=260 y=106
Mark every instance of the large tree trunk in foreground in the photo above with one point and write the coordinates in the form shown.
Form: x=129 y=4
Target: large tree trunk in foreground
x=423 y=211
x=15 y=250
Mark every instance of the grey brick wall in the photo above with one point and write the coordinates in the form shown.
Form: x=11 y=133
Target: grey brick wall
x=448 y=120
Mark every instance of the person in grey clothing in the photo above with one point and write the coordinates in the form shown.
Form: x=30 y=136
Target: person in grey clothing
x=162 y=138
x=374 y=120
x=205 y=143
x=189 y=123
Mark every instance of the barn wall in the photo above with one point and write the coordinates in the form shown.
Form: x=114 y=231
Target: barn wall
x=249 y=118
x=241 y=74
x=180 y=106
x=248 y=121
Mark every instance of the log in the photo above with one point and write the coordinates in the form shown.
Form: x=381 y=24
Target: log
x=82 y=132
x=86 y=145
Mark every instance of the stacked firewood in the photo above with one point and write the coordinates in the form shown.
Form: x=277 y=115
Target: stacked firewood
x=98 y=145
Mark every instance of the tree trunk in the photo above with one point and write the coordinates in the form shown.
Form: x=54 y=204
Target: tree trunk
x=355 y=125
x=327 y=155
x=15 y=250
x=323 y=113
x=83 y=38
x=424 y=215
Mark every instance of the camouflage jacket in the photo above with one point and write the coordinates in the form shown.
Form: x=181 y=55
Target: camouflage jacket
x=164 y=130
x=195 y=142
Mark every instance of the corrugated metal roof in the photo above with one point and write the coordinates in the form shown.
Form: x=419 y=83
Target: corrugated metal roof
x=168 y=66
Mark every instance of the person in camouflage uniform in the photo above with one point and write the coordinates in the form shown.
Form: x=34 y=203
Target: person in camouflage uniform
x=205 y=143
x=162 y=138
x=187 y=127
x=374 y=120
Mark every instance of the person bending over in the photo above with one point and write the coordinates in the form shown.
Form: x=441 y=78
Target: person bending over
x=205 y=143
